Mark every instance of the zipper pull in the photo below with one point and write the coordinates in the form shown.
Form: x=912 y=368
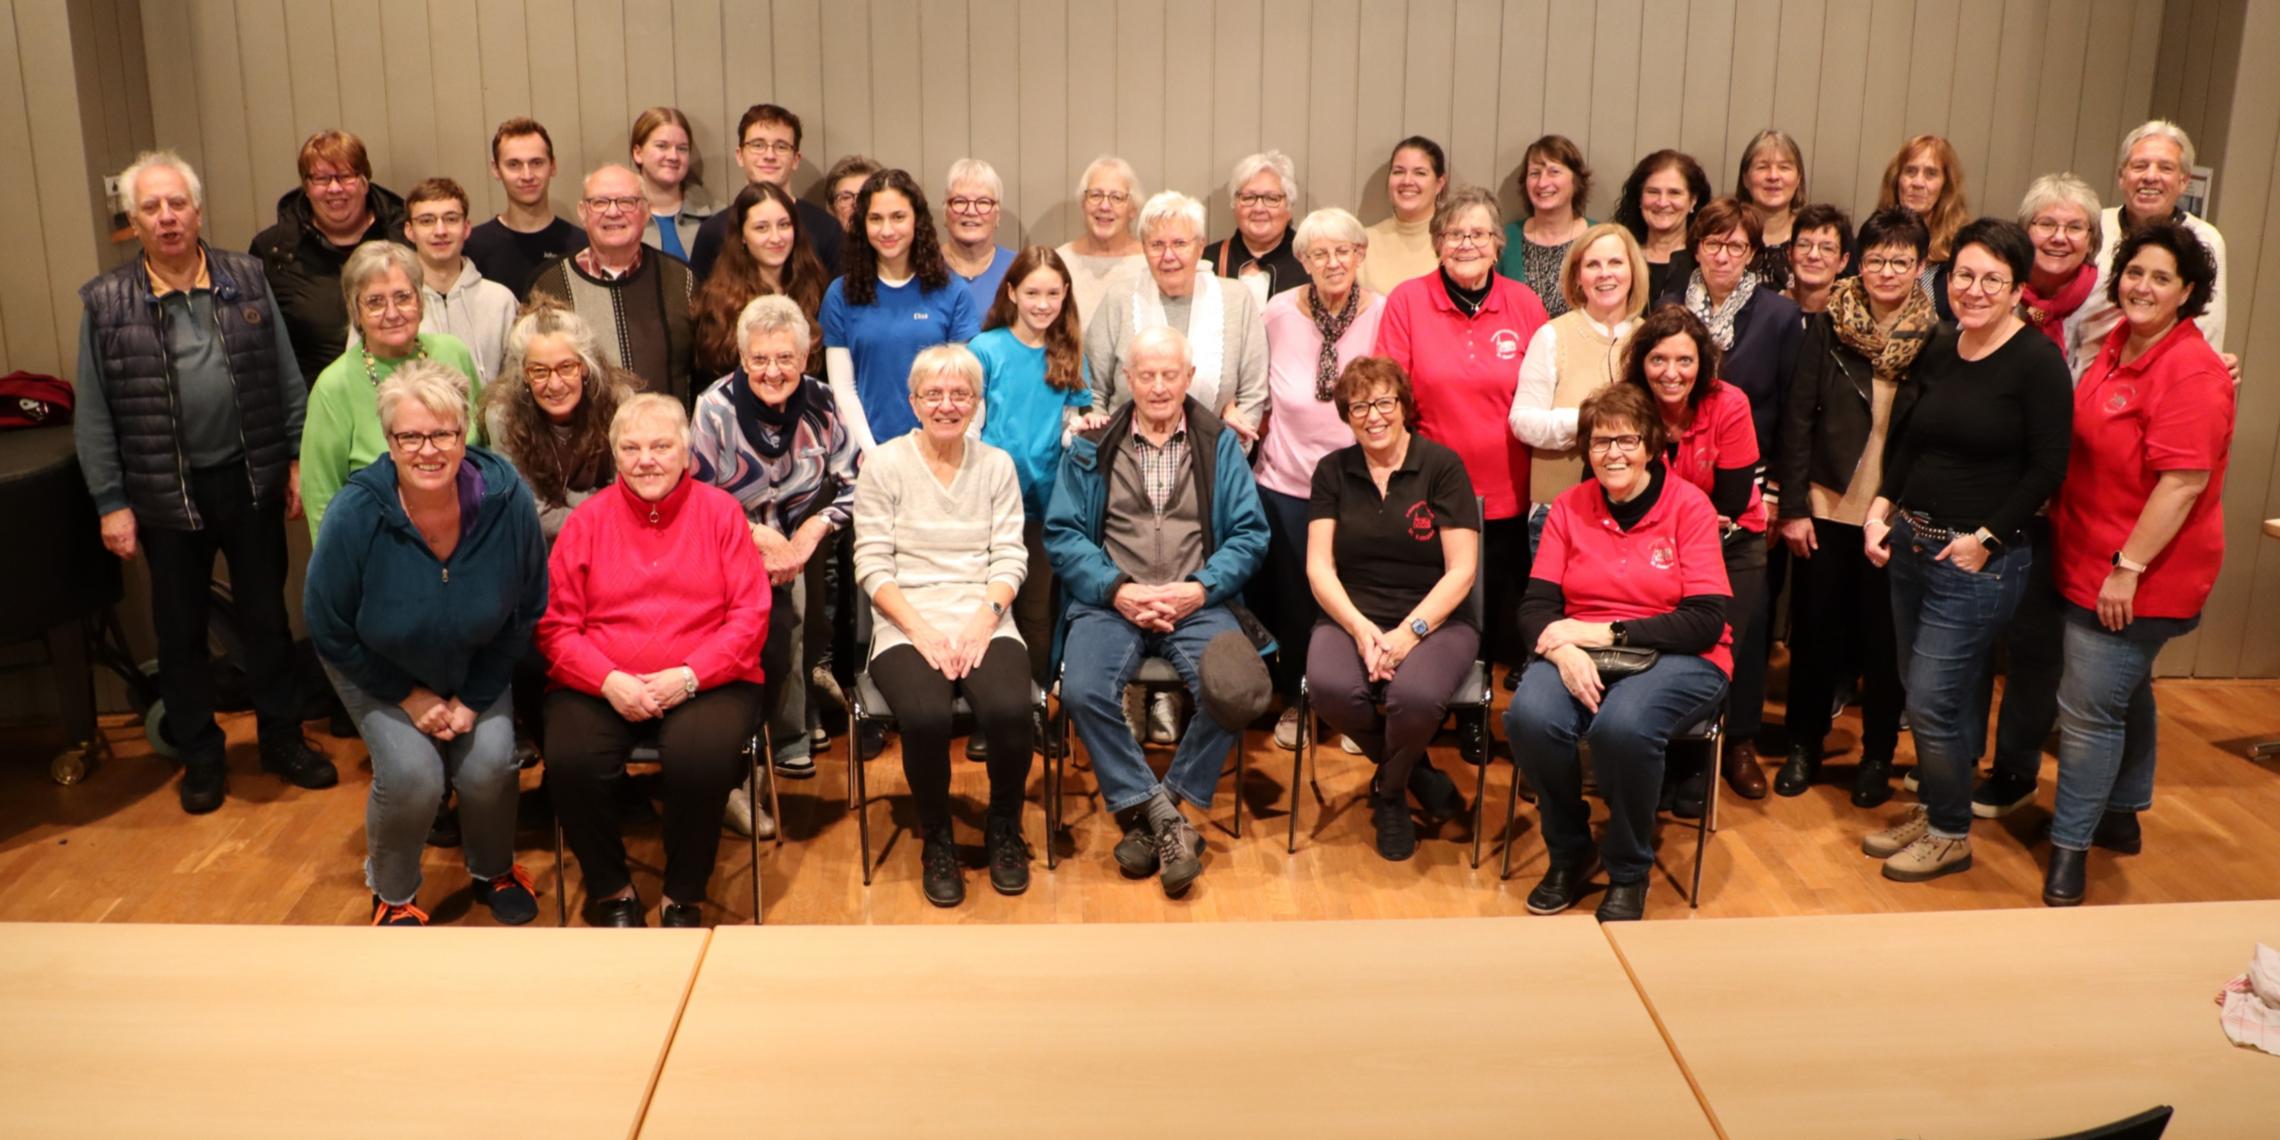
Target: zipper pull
x=447 y=575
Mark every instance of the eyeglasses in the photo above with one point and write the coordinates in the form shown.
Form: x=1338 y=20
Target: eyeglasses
x=377 y=304
x=1602 y=444
x=768 y=146
x=1898 y=266
x=972 y=205
x=1458 y=239
x=2045 y=228
x=1323 y=256
x=414 y=442
x=845 y=197
x=625 y=205
x=1161 y=247
x=327 y=181
x=1249 y=200
x=1383 y=406
x=955 y=397
x=1110 y=197
x=1988 y=285
x=1818 y=248
x=782 y=363
x=567 y=371
x=1729 y=248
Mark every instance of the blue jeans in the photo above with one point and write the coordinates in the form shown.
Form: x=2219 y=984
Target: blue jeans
x=1098 y=657
x=409 y=770
x=1636 y=719
x=1944 y=620
x=2105 y=728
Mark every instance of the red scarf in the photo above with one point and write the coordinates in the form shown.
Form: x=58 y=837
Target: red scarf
x=2048 y=314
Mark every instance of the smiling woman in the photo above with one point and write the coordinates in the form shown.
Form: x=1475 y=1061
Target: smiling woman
x=336 y=208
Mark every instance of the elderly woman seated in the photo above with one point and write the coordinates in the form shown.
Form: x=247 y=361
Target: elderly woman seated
x=938 y=551
x=772 y=437
x=658 y=609
x=1631 y=563
x=1393 y=534
x=422 y=591
x=550 y=414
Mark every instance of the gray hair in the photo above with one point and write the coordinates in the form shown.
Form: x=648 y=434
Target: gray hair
x=1109 y=164
x=2067 y=189
x=1171 y=206
x=774 y=313
x=371 y=260
x=1329 y=224
x=951 y=359
x=2156 y=128
x=1274 y=160
x=1465 y=198
x=431 y=384
x=640 y=406
x=156 y=158
x=975 y=170
x=552 y=320
x=1159 y=336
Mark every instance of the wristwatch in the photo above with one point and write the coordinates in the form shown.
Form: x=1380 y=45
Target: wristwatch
x=1619 y=632
x=688 y=681
x=1988 y=541
x=2123 y=562
x=1418 y=626
x=995 y=608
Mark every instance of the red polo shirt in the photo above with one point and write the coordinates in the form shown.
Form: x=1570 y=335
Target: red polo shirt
x=1463 y=371
x=2169 y=410
x=1609 y=574
x=1722 y=435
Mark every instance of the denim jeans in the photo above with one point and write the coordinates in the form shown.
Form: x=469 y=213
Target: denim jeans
x=1098 y=657
x=410 y=770
x=2106 y=727
x=2033 y=649
x=1944 y=620
x=1628 y=735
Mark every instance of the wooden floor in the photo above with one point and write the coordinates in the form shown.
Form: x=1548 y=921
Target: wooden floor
x=117 y=848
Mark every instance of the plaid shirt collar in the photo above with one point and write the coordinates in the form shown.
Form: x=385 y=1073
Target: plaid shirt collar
x=1160 y=464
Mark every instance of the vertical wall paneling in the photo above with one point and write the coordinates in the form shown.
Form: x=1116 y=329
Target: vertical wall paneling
x=726 y=59
x=2105 y=56
x=1797 y=73
x=551 y=34
x=238 y=200
x=1474 y=112
x=994 y=124
x=312 y=61
x=1834 y=154
x=1189 y=162
x=795 y=80
x=1089 y=66
x=2145 y=42
x=2058 y=108
x=1426 y=88
x=1709 y=65
x=1568 y=57
x=2018 y=83
x=1883 y=112
x=844 y=29
x=1235 y=124
x=649 y=73
x=359 y=78
x=1140 y=97
x=1050 y=162
x=506 y=94
x=603 y=113
x=1749 y=88
x=1339 y=167
x=946 y=118
x=462 y=135
x=410 y=83
x=1284 y=74
x=1614 y=102
x=1382 y=42
x=272 y=142
x=1661 y=68
x=1931 y=67
x=899 y=93
x=173 y=119
x=1972 y=110
x=27 y=303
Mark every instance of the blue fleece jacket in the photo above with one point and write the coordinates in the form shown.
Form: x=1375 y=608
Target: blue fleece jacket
x=389 y=616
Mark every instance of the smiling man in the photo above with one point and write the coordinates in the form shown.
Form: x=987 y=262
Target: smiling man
x=189 y=410
x=2156 y=161
x=458 y=299
x=511 y=248
x=768 y=150
x=636 y=301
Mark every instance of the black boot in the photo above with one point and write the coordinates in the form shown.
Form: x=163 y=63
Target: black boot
x=1798 y=771
x=2063 y=882
x=1872 y=783
x=2118 y=832
x=205 y=782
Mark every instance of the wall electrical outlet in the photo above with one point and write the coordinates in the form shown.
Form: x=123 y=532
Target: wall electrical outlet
x=110 y=187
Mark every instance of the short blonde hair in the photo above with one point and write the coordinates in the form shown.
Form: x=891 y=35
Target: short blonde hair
x=640 y=407
x=1329 y=224
x=2065 y=189
x=1571 y=267
x=974 y=170
x=947 y=360
x=371 y=260
x=1170 y=206
x=431 y=384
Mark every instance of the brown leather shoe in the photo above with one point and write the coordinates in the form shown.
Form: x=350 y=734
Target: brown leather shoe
x=1742 y=772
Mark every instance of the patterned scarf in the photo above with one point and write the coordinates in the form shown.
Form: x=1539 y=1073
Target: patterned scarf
x=1889 y=352
x=1332 y=326
x=2048 y=314
x=1720 y=318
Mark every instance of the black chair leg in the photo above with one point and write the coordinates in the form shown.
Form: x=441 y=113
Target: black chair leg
x=752 y=835
x=861 y=795
x=561 y=869
x=1511 y=817
x=1480 y=784
x=1241 y=755
x=1298 y=758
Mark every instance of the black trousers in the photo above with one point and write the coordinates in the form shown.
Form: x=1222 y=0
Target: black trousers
x=700 y=746
x=1505 y=561
x=998 y=692
x=1746 y=616
x=1841 y=614
x=251 y=536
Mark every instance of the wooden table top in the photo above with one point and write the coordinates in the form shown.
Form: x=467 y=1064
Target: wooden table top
x=245 y=1031
x=2011 y=1023
x=1464 y=1027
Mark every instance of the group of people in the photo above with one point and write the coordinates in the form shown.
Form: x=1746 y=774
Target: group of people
x=631 y=480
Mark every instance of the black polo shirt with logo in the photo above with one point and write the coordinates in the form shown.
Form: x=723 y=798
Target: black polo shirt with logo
x=1388 y=548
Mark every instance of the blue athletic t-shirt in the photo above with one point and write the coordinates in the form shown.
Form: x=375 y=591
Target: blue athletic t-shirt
x=884 y=336
x=1025 y=412
x=984 y=288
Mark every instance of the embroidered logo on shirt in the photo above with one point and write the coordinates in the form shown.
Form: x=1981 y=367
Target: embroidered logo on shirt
x=919 y=316
x=252 y=315
x=1421 y=522
x=1507 y=344
x=1663 y=555
x=2123 y=394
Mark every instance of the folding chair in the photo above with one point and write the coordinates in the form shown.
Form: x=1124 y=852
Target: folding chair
x=1155 y=675
x=1709 y=730
x=645 y=752
x=1471 y=698
x=870 y=705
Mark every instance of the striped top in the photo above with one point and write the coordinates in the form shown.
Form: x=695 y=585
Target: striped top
x=779 y=493
x=943 y=546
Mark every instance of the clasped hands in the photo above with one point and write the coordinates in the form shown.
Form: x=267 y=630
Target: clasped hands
x=439 y=717
x=1563 y=643
x=955 y=655
x=645 y=696
x=786 y=558
x=1158 y=608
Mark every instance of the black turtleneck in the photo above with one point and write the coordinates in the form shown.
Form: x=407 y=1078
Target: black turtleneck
x=1468 y=301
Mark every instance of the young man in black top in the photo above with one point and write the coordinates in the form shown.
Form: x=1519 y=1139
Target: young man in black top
x=511 y=248
x=768 y=150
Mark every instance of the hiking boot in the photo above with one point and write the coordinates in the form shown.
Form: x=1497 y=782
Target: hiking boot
x=939 y=876
x=1929 y=857
x=1888 y=842
x=1179 y=857
x=1008 y=853
x=300 y=765
x=1136 y=852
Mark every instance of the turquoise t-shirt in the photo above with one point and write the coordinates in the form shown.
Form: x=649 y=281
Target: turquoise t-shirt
x=884 y=336
x=1024 y=412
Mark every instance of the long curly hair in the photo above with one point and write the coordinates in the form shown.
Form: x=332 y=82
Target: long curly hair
x=861 y=262
x=1064 y=343
x=520 y=428
x=736 y=280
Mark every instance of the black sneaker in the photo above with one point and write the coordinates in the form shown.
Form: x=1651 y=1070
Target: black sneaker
x=511 y=897
x=300 y=765
x=978 y=748
x=1009 y=854
x=1797 y=771
x=939 y=876
x=205 y=783
x=2000 y=794
x=1396 y=832
x=1436 y=792
x=1179 y=857
x=404 y=914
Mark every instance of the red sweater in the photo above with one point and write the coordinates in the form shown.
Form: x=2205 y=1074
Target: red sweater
x=640 y=587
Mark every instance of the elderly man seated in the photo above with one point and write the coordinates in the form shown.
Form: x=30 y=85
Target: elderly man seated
x=1154 y=527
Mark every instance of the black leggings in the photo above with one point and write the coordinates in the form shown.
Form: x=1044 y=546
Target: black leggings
x=700 y=746
x=998 y=692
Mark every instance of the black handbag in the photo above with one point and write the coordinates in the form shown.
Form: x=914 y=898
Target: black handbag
x=1614 y=661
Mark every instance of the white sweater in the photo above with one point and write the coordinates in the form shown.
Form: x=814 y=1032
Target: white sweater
x=943 y=546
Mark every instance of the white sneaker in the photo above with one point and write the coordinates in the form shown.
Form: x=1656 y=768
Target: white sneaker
x=1164 y=719
x=1349 y=745
x=747 y=818
x=1286 y=730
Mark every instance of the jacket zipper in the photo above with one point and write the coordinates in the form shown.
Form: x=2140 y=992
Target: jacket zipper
x=252 y=485
x=174 y=412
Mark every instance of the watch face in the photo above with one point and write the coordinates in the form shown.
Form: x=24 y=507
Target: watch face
x=1418 y=627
